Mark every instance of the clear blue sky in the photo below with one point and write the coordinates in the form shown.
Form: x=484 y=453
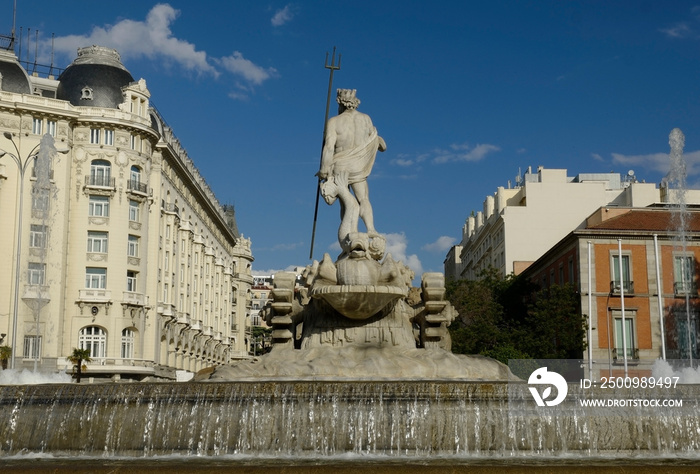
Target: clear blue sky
x=464 y=93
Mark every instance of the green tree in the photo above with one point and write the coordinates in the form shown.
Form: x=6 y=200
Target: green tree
x=554 y=327
x=77 y=358
x=478 y=327
x=258 y=337
x=5 y=354
x=510 y=318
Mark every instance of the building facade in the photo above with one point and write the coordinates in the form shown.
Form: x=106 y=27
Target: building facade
x=518 y=225
x=636 y=271
x=117 y=244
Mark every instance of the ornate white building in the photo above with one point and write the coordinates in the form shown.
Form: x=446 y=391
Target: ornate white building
x=122 y=249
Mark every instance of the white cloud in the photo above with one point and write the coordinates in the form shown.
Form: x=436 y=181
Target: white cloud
x=442 y=244
x=251 y=72
x=290 y=268
x=680 y=30
x=396 y=245
x=291 y=246
x=151 y=38
x=464 y=152
x=597 y=157
x=402 y=162
x=283 y=16
x=660 y=162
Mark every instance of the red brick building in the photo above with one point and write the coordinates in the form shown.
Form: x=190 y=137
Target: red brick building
x=657 y=295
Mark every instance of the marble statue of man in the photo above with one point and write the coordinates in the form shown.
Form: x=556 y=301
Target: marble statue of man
x=349 y=150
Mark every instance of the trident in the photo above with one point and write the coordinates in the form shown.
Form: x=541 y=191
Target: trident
x=332 y=67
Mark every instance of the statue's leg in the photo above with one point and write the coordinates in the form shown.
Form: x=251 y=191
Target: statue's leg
x=349 y=213
x=361 y=191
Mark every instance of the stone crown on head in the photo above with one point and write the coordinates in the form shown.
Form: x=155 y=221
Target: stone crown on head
x=346 y=97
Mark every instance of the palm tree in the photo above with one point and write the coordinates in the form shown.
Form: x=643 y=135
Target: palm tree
x=77 y=358
x=5 y=354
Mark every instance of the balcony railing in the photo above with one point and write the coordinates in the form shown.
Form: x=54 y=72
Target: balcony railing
x=137 y=187
x=100 y=181
x=682 y=288
x=135 y=299
x=632 y=353
x=169 y=207
x=627 y=286
x=34 y=174
x=95 y=295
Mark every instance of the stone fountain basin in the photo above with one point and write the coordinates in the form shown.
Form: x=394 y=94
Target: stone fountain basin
x=358 y=301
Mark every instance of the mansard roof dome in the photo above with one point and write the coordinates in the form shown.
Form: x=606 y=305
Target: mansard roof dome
x=13 y=77
x=94 y=79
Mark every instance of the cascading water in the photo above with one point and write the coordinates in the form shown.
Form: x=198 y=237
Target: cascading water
x=43 y=194
x=399 y=420
x=679 y=220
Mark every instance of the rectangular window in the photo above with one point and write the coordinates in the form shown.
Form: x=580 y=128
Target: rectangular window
x=685 y=337
x=51 y=127
x=626 y=275
x=99 y=206
x=127 y=351
x=37 y=126
x=37 y=236
x=571 y=270
x=95 y=136
x=165 y=292
x=132 y=248
x=109 y=137
x=131 y=281
x=97 y=242
x=629 y=338
x=32 y=347
x=684 y=275
x=134 y=211
x=95 y=278
x=35 y=273
x=167 y=260
x=40 y=199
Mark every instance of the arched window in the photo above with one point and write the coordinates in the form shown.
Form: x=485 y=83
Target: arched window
x=94 y=339
x=128 y=339
x=100 y=173
x=135 y=177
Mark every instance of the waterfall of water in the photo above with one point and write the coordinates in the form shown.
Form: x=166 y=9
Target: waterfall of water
x=402 y=420
x=677 y=181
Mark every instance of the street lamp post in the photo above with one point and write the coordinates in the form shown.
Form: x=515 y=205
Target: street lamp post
x=22 y=165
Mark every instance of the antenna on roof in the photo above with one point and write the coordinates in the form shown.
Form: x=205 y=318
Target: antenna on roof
x=53 y=35
x=29 y=30
x=36 y=49
x=14 y=21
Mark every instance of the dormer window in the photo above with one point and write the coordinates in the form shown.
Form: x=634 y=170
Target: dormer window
x=86 y=93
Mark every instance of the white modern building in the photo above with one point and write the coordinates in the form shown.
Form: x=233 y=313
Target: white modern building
x=113 y=243
x=518 y=225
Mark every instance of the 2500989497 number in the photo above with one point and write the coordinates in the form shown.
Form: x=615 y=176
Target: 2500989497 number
x=638 y=382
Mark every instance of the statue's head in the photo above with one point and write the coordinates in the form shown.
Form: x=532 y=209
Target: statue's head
x=346 y=98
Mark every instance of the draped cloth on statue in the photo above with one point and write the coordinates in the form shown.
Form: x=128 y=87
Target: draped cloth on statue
x=357 y=162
